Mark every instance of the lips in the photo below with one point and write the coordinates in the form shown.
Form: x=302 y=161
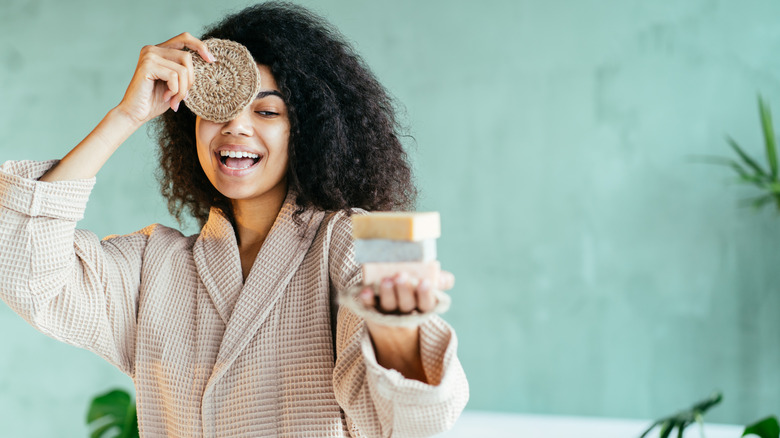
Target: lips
x=236 y=160
x=239 y=163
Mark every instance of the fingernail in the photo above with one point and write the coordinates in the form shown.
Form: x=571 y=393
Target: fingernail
x=425 y=285
x=211 y=57
x=175 y=107
x=387 y=283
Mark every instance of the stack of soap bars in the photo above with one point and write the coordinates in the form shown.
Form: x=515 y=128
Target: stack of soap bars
x=387 y=243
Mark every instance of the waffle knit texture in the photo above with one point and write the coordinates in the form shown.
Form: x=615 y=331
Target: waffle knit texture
x=210 y=354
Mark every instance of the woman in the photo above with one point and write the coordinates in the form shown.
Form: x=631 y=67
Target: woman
x=228 y=332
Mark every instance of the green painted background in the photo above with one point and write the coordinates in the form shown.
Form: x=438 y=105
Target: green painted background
x=599 y=270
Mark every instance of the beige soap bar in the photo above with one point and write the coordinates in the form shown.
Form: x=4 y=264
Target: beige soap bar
x=411 y=226
x=376 y=272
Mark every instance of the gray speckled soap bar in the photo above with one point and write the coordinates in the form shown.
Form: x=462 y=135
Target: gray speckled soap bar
x=385 y=250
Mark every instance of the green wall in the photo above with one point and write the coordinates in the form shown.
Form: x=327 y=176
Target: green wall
x=600 y=271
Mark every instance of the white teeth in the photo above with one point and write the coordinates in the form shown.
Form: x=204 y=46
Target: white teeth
x=238 y=154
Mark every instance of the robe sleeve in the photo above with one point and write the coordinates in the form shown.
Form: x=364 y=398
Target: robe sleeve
x=378 y=401
x=66 y=283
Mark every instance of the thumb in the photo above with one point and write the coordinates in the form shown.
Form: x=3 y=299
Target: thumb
x=446 y=280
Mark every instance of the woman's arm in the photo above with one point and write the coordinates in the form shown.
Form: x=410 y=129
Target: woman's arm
x=161 y=80
x=380 y=393
x=66 y=282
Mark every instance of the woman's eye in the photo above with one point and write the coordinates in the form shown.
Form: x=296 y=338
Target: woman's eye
x=267 y=113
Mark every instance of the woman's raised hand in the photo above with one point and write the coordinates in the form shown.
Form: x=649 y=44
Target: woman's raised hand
x=162 y=78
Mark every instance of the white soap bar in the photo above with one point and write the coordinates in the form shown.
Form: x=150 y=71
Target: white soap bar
x=393 y=225
x=376 y=272
x=386 y=250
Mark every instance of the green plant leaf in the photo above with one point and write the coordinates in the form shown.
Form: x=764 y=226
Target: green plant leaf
x=114 y=409
x=759 y=201
x=774 y=188
x=111 y=403
x=704 y=405
x=744 y=175
x=666 y=429
x=710 y=159
x=644 y=434
x=769 y=136
x=683 y=419
x=741 y=170
x=766 y=428
x=752 y=180
x=681 y=429
x=131 y=423
x=100 y=431
x=746 y=158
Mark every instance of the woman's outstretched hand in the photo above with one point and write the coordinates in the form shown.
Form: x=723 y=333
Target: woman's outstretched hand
x=395 y=347
x=162 y=78
x=401 y=294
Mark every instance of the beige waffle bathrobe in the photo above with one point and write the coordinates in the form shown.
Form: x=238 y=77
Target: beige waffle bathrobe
x=210 y=354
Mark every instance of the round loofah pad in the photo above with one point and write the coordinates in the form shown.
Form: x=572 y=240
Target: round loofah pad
x=223 y=88
x=349 y=298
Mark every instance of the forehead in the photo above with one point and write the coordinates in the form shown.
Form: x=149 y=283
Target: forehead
x=267 y=80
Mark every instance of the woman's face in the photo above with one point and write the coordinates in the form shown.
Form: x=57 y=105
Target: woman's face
x=246 y=158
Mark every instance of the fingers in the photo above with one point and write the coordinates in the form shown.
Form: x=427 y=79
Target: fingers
x=181 y=80
x=174 y=67
x=446 y=280
x=402 y=294
x=426 y=301
x=367 y=297
x=405 y=293
x=187 y=41
x=163 y=77
x=388 y=300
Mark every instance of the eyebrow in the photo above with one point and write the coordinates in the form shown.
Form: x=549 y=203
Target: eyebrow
x=263 y=94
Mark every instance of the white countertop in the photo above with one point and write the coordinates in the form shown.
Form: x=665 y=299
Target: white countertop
x=477 y=424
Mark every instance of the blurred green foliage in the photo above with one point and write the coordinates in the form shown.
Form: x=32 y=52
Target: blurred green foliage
x=113 y=414
x=750 y=171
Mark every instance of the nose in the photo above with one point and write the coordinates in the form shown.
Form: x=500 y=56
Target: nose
x=241 y=125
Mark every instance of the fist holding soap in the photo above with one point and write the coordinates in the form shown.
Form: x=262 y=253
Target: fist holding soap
x=397 y=251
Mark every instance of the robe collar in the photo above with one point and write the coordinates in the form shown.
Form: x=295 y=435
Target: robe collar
x=244 y=306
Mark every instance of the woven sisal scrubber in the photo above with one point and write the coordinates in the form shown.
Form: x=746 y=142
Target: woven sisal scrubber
x=223 y=88
x=349 y=298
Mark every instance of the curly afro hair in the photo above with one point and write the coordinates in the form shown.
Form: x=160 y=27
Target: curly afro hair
x=344 y=147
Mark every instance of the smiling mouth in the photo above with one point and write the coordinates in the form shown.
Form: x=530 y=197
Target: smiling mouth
x=238 y=160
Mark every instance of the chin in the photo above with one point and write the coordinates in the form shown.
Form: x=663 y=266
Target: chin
x=237 y=194
x=243 y=192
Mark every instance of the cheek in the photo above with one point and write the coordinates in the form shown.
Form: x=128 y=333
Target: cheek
x=204 y=157
x=283 y=147
x=204 y=133
x=283 y=136
x=205 y=162
x=277 y=138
